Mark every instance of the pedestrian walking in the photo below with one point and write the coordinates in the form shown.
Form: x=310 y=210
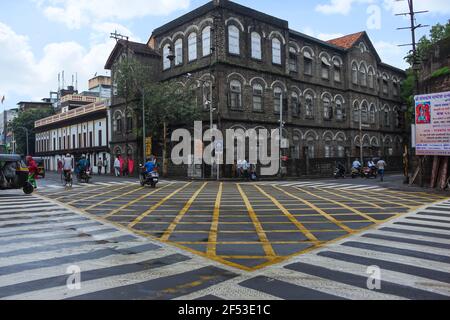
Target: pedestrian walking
x=60 y=166
x=99 y=166
x=381 y=165
x=125 y=171
x=33 y=171
x=117 y=167
x=105 y=165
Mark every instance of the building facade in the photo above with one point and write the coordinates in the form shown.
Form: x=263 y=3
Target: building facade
x=336 y=97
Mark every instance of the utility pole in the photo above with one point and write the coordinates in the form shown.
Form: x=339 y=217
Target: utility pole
x=416 y=67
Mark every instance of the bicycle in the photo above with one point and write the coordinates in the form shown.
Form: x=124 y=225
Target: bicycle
x=68 y=179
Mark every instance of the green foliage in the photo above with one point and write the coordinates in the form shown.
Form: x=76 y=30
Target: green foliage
x=26 y=119
x=407 y=94
x=437 y=33
x=165 y=102
x=441 y=72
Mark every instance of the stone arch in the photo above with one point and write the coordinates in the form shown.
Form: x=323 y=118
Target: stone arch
x=204 y=23
x=339 y=97
x=309 y=49
x=192 y=28
x=278 y=82
x=329 y=134
x=278 y=34
x=236 y=21
x=260 y=80
x=338 y=59
x=179 y=34
x=236 y=74
x=374 y=142
x=296 y=90
x=309 y=90
x=311 y=133
x=295 y=45
x=326 y=93
x=340 y=134
x=165 y=41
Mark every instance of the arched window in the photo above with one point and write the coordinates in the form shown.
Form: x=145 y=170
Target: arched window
x=276 y=51
x=235 y=94
x=364 y=113
x=258 y=94
x=370 y=78
x=363 y=75
x=295 y=104
x=118 y=126
x=337 y=70
x=129 y=122
x=166 y=53
x=308 y=62
x=256 y=46
x=233 y=40
x=387 y=119
x=354 y=73
x=192 y=43
x=206 y=41
x=293 y=67
x=325 y=70
x=356 y=112
x=372 y=116
x=340 y=114
x=327 y=109
x=179 y=52
x=309 y=106
x=277 y=99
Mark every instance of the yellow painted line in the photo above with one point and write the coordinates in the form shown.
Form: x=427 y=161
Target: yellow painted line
x=101 y=194
x=317 y=209
x=180 y=216
x=411 y=195
x=397 y=197
x=362 y=214
x=291 y=218
x=246 y=242
x=156 y=206
x=122 y=208
x=350 y=198
x=212 y=239
x=113 y=198
x=259 y=229
x=376 y=198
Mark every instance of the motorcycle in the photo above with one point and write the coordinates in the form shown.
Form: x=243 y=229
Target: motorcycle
x=356 y=172
x=149 y=179
x=339 y=173
x=84 y=176
x=370 y=173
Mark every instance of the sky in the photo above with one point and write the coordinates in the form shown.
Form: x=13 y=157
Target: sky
x=41 y=38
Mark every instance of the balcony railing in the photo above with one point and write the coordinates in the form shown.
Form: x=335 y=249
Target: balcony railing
x=78 y=112
x=79 y=98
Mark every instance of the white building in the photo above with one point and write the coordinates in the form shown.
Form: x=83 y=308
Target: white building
x=81 y=131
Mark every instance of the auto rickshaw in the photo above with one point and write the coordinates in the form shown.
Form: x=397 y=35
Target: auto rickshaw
x=41 y=166
x=14 y=173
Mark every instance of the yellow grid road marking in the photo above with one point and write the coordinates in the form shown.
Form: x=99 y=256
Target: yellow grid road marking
x=340 y=204
x=112 y=199
x=259 y=229
x=75 y=193
x=156 y=206
x=377 y=199
x=100 y=194
x=294 y=221
x=180 y=216
x=400 y=198
x=317 y=209
x=351 y=198
x=212 y=239
x=122 y=208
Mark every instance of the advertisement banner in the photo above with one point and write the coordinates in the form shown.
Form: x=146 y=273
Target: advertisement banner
x=432 y=114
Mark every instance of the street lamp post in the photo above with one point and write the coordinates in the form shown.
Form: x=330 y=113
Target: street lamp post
x=280 y=138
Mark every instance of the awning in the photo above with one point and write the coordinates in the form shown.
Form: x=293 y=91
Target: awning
x=326 y=62
x=307 y=55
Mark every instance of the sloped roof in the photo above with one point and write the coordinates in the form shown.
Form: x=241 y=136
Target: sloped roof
x=347 y=41
x=136 y=47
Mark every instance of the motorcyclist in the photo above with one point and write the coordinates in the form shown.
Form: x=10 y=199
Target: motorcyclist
x=67 y=166
x=356 y=164
x=82 y=165
x=33 y=171
x=371 y=165
x=149 y=166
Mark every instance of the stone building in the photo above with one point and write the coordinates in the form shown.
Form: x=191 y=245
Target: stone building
x=335 y=96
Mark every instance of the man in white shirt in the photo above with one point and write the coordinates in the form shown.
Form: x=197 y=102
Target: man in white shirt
x=67 y=164
x=381 y=165
x=356 y=164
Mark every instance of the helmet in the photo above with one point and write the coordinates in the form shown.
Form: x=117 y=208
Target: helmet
x=68 y=155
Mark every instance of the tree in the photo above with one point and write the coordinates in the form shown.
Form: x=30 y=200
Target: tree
x=437 y=33
x=167 y=104
x=26 y=119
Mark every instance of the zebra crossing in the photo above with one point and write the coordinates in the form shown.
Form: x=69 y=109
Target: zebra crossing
x=79 y=185
x=41 y=242
x=410 y=260
x=323 y=185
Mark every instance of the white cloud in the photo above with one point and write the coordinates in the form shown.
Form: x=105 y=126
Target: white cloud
x=435 y=7
x=77 y=13
x=339 y=6
x=329 y=36
x=26 y=76
x=392 y=54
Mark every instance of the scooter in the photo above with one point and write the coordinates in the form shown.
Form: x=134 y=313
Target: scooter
x=149 y=179
x=356 y=172
x=339 y=173
x=370 y=173
x=84 y=176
